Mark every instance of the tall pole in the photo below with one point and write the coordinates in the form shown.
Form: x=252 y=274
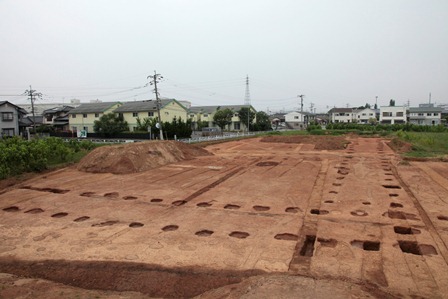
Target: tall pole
x=301 y=102
x=32 y=94
x=247 y=101
x=154 y=82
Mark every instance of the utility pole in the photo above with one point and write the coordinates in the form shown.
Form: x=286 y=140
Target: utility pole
x=311 y=107
x=247 y=101
x=301 y=102
x=33 y=94
x=154 y=82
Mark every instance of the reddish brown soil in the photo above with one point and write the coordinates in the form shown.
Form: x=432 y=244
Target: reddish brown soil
x=353 y=220
x=399 y=145
x=319 y=142
x=138 y=157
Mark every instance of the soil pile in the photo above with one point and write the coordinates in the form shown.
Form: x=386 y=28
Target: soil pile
x=399 y=146
x=138 y=157
x=319 y=142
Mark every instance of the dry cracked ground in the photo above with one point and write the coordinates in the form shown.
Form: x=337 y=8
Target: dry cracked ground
x=256 y=219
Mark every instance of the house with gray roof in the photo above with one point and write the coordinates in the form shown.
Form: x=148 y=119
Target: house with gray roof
x=425 y=115
x=170 y=109
x=83 y=117
x=10 y=119
x=203 y=115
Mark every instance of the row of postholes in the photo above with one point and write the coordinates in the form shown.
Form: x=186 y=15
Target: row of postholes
x=412 y=247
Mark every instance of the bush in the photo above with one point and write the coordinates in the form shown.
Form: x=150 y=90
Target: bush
x=18 y=156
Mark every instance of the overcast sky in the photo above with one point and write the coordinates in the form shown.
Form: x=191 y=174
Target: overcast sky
x=336 y=53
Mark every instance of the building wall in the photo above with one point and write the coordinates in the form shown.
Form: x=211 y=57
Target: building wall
x=5 y=124
x=167 y=114
x=364 y=115
x=80 y=122
x=342 y=117
x=393 y=114
x=425 y=118
x=236 y=125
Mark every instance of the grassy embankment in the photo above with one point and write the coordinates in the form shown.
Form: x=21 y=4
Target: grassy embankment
x=425 y=144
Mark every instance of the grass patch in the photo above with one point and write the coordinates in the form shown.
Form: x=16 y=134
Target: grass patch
x=425 y=144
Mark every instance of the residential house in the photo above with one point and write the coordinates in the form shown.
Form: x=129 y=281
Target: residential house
x=200 y=114
x=170 y=109
x=362 y=116
x=297 y=120
x=10 y=117
x=84 y=116
x=425 y=115
x=393 y=114
x=57 y=117
x=341 y=115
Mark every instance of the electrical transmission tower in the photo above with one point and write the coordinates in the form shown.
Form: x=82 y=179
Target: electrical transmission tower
x=154 y=80
x=33 y=95
x=247 y=96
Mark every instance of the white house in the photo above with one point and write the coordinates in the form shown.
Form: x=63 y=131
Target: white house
x=341 y=115
x=363 y=116
x=392 y=115
x=297 y=120
x=425 y=115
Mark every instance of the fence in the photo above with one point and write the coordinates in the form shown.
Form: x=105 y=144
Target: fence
x=218 y=137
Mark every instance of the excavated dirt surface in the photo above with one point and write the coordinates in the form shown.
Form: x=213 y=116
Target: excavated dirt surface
x=316 y=142
x=138 y=157
x=255 y=219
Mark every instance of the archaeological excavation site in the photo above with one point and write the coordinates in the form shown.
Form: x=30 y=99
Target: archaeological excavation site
x=267 y=217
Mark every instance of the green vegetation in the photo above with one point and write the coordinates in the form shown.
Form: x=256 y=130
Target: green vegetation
x=110 y=124
x=425 y=144
x=177 y=127
x=222 y=118
x=18 y=156
x=388 y=128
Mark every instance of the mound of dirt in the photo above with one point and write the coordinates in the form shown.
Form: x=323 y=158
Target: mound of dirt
x=319 y=142
x=138 y=157
x=399 y=146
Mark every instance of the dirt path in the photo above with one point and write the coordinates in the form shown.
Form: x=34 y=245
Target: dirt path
x=280 y=207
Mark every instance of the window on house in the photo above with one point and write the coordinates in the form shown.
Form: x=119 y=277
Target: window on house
x=135 y=114
x=49 y=117
x=364 y=114
x=84 y=115
x=399 y=113
x=191 y=115
x=73 y=115
x=236 y=115
x=428 y=114
x=420 y=114
x=150 y=114
x=97 y=115
x=7 y=116
x=8 y=132
x=387 y=113
x=359 y=116
x=205 y=115
x=296 y=117
x=236 y=126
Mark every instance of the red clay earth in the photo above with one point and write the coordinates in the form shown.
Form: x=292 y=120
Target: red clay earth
x=346 y=222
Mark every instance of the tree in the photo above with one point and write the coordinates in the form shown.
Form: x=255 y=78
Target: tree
x=143 y=125
x=367 y=105
x=244 y=117
x=262 y=123
x=392 y=103
x=223 y=118
x=110 y=124
x=375 y=107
